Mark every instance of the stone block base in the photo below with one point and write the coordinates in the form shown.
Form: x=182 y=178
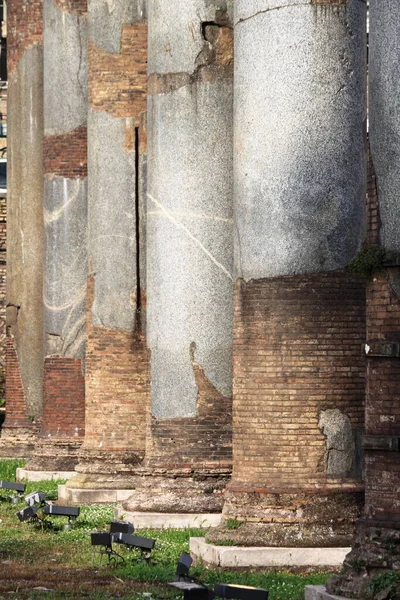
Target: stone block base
x=75 y=496
x=17 y=442
x=54 y=455
x=279 y=518
x=169 y=520
x=258 y=557
x=191 y=494
x=24 y=475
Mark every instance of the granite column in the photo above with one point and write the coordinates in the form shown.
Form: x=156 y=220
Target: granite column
x=65 y=224
x=299 y=320
x=117 y=382
x=24 y=313
x=189 y=257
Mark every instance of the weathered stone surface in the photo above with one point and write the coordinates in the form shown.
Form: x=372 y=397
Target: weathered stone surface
x=112 y=228
x=175 y=30
x=107 y=18
x=65 y=73
x=384 y=77
x=25 y=222
x=299 y=144
x=180 y=495
x=340 y=446
x=65 y=215
x=189 y=240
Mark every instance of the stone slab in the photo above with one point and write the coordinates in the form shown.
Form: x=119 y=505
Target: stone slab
x=236 y=556
x=42 y=475
x=318 y=592
x=91 y=496
x=168 y=520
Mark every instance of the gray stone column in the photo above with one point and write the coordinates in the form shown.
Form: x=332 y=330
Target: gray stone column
x=189 y=251
x=24 y=353
x=65 y=221
x=299 y=181
x=116 y=357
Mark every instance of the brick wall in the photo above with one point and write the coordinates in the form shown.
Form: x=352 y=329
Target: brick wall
x=16 y=415
x=65 y=155
x=64 y=398
x=297 y=352
x=117 y=83
x=203 y=442
x=24 y=28
x=117 y=387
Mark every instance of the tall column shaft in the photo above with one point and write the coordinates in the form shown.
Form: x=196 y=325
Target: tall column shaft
x=24 y=353
x=299 y=321
x=65 y=222
x=189 y=253
x=377 y=546
x=117 y=386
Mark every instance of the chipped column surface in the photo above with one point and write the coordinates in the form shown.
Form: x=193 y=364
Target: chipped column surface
x=384 y=76
x=112 y=225
x=25 y=221
x=65 y=187
x=340 y=446
x=117 y=97
x=65 y=75
x=299 y=144
x=189 y=203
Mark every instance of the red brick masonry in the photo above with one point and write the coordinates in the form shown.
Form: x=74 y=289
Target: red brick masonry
x=297 y=351
x=65 y=155
x=24 y=28
x=64 y=398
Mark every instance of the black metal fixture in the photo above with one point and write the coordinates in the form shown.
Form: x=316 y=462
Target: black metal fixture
x=28 y=514
x=121 y=533
x=35 y=498
x=19 y=488
x=195 y=590
x=55 y=510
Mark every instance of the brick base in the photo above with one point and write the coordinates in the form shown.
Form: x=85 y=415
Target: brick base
x=169 y=494
x=18 y=433
x=285 y=518
x=63 y=421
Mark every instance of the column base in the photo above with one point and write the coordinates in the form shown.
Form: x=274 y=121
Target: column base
x=54 y=455
x=285 y=518
x=376 y=551
x=178 y=493
x=17 y=442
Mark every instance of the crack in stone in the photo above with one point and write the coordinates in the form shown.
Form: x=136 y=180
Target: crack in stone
x=180 y=225
x=308 y=3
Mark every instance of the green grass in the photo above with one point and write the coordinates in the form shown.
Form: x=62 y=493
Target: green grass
x=45 y=554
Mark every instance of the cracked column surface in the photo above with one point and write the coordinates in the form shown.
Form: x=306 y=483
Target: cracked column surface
x=189 y=256
x=377 y=546
x=299 y=321
x=117 y=386
x=65 y=223
x=24 y=351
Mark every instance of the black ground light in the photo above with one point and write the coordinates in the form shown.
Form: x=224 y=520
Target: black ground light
x=28 y=514
x=19 y=488
x=55 y=510
x=35 y=498
x=193 y=590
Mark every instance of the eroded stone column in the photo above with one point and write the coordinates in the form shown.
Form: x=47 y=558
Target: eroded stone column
x=24 y=352
x=65 y=221
x=299 y=321
x=189 y=256
x=377 y=547
x=117 y=383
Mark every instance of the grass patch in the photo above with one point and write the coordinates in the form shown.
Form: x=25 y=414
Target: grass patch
x=64 y=563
